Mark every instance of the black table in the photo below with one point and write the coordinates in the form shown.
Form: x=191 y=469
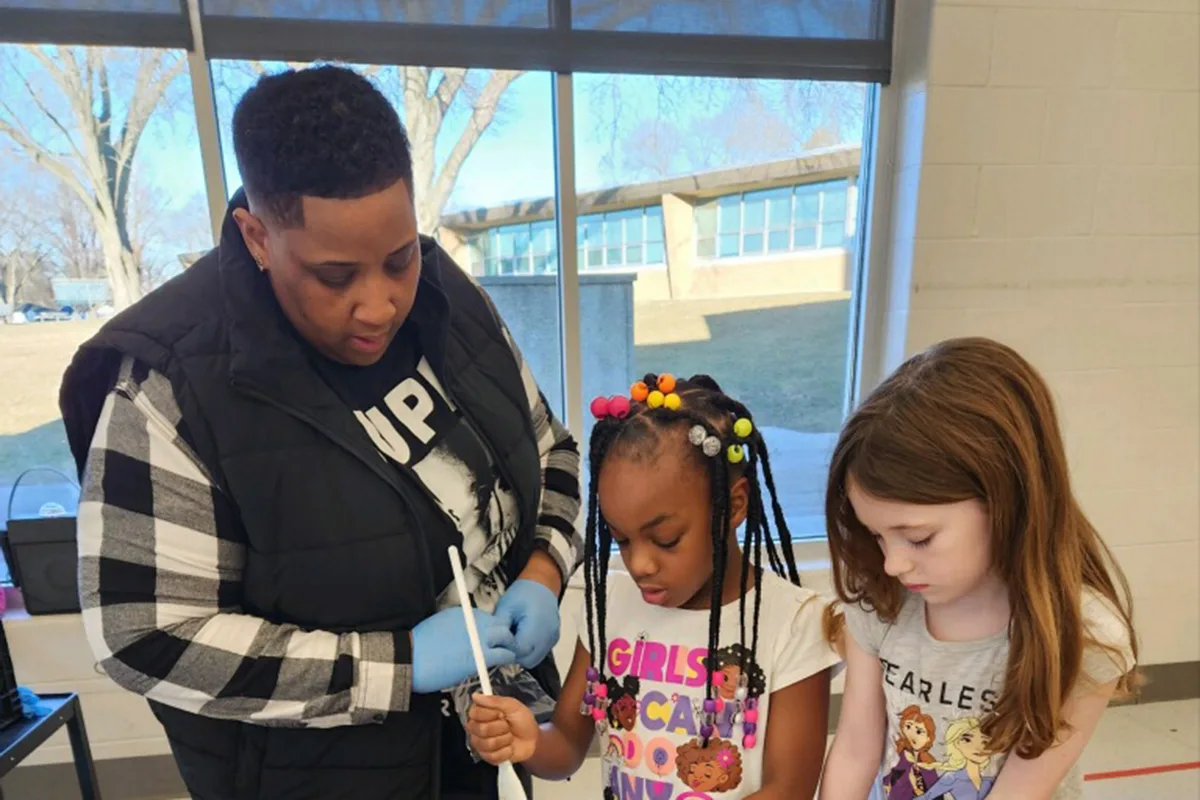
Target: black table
x=20 y=739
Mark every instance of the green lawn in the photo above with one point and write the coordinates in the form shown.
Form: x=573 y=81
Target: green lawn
x=784 y=356
x=32 y=361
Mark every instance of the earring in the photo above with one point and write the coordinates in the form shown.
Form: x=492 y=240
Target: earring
x=262 y=267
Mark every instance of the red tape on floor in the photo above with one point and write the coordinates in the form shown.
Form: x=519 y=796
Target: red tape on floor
x=1141 y=772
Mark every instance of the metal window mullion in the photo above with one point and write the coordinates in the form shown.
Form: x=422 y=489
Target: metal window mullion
x=205 y=108
x=566 y=212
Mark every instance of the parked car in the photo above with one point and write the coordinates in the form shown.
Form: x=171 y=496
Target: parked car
x=32 y=312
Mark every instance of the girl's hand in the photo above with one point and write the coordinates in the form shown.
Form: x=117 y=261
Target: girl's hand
x=501 y=729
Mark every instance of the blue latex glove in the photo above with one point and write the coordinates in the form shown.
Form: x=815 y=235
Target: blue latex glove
x=534 y=612
x=442 y=650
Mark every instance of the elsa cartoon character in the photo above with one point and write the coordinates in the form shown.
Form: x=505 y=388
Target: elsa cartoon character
x=966 y=759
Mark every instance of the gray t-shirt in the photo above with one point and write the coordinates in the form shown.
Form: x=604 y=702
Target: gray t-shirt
x=938 y=692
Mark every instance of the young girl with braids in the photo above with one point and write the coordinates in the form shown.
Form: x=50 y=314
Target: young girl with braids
x=729 y=660
x=974 y=589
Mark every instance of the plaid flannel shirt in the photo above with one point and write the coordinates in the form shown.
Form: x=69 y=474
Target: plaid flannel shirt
x=161 y=572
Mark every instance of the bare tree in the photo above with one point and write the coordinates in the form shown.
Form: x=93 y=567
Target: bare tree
x=24 y=254
x=69 y=112
x=74 y=237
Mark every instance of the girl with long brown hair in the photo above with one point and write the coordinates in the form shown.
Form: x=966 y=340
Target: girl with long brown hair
x=972 y=584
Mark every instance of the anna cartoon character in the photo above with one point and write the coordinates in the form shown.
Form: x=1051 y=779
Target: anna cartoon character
x=623 y=702
x=913 y=774
x=967 y=757
x=715 y=768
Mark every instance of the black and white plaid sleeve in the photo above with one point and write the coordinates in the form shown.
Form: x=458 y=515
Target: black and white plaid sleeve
x=557 y=528
x=160 y=586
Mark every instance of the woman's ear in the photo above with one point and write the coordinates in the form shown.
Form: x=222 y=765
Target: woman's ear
x=254 y=234
x=739 y=502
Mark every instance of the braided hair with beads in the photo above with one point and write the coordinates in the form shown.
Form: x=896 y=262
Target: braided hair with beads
x=729 y=447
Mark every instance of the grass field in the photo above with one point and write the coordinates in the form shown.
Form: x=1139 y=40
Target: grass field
x=782 y=355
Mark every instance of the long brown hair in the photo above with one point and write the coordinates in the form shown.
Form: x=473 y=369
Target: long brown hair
x=971 y=419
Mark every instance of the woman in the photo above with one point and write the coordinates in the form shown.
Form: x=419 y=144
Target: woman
x=279 y=446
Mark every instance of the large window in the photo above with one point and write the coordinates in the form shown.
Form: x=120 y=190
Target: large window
x=772 y=331
x=774 y=221
x=714 y=218
x=103 y=200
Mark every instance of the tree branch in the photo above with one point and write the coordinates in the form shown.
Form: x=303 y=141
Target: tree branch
x=448 y=87
x=481 y=117
x=46 y=160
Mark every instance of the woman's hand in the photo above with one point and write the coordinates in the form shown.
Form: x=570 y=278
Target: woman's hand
x=533 y=607
x=442 y=654
x=502 y=729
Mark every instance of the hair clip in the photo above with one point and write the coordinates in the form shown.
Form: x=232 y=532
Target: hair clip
x=700 y=437
x=615 y=406
x=735 y=453
x=742 y=428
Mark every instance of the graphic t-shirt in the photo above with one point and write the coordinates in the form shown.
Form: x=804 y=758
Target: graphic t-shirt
x=656 y=675
x=938 y=693
x=414 y=424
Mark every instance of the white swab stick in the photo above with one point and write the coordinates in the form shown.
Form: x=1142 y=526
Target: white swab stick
x=508 y=784
x=464 y=598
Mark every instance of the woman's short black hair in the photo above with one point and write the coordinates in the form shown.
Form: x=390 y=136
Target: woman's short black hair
x=320 y=132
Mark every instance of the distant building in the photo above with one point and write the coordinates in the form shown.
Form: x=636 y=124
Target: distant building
x=778 y=228
x=81 y=292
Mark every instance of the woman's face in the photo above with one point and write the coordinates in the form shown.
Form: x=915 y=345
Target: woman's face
x=347 y=277
x=916 y=734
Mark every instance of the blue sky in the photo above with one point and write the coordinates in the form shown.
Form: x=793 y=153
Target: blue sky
x=628 y=128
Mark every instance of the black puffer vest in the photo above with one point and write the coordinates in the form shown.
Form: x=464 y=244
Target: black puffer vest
x=333 y=533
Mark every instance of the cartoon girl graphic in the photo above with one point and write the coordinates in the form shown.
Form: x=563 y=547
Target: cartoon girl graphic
x=729 y=661
x=623 y=702
x=912 y=776
x=966 y=759
x=716 y=768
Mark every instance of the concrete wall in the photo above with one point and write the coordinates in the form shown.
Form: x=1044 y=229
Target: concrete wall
x=1046 y=193
x=529 y=306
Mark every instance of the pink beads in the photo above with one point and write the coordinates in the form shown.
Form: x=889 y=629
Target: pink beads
x=618 y=406
x=598 y=714
x=615 y=406
x=601 y=690
x=748 y=741
x=752 y=715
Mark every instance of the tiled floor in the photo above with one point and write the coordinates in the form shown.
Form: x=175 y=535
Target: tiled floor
x=1130 y=738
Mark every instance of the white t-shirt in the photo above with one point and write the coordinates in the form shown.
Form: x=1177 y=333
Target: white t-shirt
x=938 y=694
x=656 y=658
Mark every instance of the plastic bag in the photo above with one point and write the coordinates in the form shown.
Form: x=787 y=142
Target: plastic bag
x=511 y=680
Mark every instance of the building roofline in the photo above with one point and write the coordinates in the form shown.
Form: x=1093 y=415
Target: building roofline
x=824 y=164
